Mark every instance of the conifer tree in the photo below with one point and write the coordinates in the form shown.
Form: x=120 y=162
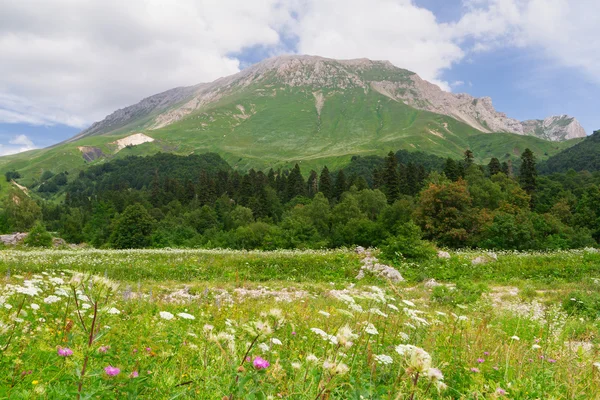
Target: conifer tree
x=295 y=184
x=528 y=172
x=494 y=166
x=312 y=184
x=451 y=169
x=340 y=185
x=391 y=178
x=325 y=184
x=469 y=158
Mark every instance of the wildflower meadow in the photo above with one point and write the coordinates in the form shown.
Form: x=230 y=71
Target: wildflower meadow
x=212 y=324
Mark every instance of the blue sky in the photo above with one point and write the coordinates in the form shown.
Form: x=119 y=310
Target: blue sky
x=532 y=57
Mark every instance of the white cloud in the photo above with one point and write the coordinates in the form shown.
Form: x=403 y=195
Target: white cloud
x=78 y=60
x=17 y=144
x=74 y=61
x=564 y=31
x=395 y=30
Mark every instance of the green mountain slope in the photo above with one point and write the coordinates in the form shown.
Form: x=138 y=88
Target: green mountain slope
x=584 y=156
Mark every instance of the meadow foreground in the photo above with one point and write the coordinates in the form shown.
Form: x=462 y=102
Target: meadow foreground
x=166 y=324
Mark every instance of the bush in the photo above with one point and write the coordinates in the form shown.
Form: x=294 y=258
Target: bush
x=38 y=236
x=407 y=245
x=466 y=292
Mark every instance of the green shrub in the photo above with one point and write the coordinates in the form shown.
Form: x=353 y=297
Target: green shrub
x=407 y=244
x=38 y=236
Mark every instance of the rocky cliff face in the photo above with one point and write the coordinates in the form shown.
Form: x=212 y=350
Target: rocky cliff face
x=318 y=73
x=554 y=128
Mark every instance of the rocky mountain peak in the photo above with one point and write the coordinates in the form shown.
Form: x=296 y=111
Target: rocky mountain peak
x=315 y=73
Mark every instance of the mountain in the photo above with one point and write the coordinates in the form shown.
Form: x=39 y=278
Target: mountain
x=557 y=128
x=584 y=156
x=321 y=74
x=304 y=109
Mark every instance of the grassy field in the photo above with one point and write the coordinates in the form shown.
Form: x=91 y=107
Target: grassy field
x=167 y=324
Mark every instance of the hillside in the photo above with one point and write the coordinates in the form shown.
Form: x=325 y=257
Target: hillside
x=299 y=109
x=584 y=156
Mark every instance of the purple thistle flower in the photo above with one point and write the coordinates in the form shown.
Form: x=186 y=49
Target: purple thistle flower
x=500 y=391
x=260 y=363
x=486 y=353
x=551 y=360
x=476 y=370
x=112 y=371
x=64 y=352
x=480 y=360
x=103 y=349
x=293 y=333
x=134 y=374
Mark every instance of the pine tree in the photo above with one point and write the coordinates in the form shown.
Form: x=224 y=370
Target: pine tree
x=295 y=184
x=391 y=179
x=494 y=166
x=312 y=184
x=451 y=169
x=271 y=178
x=469 y=158
x=325 y=185
x=528 y=173
x=340 y=185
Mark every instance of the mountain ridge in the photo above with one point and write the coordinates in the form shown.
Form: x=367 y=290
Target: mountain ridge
x=321 y=73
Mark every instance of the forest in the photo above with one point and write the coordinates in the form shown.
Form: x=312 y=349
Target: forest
x=406 y=202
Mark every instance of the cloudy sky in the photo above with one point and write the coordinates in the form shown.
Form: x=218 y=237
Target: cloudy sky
x=67 y=63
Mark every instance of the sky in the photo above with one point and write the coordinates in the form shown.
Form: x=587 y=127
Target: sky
x=68 y=63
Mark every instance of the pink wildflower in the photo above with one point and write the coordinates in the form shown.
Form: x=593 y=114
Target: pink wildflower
x=260 y=363
x=480 y=360
x=64 y=352
x=500 y=391
x=134 y=374
x=551 y=360
x=103 y=349
x=486 y=353
x=112 y=371
x=476 y=370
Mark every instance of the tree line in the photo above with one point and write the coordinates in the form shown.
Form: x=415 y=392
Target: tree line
x=200 y=201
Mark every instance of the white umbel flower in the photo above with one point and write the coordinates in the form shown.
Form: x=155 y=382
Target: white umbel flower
x=166 y=315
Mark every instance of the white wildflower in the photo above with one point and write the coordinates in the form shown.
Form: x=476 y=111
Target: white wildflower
x=325 y=313
x=166 y=315
x=393 y=307
x=515 y=337
x=312 y=358
x=296 y=365
x=384 y=359
x=434 y=374
x=345 y=336
x=185 y=315
x=276 y=341
x=28 y=290
x=371 y=330
x=536 y=347
x=34 y=306
x=264 y=347
x=51 y=299
x=114 y=311
x=408 y=303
